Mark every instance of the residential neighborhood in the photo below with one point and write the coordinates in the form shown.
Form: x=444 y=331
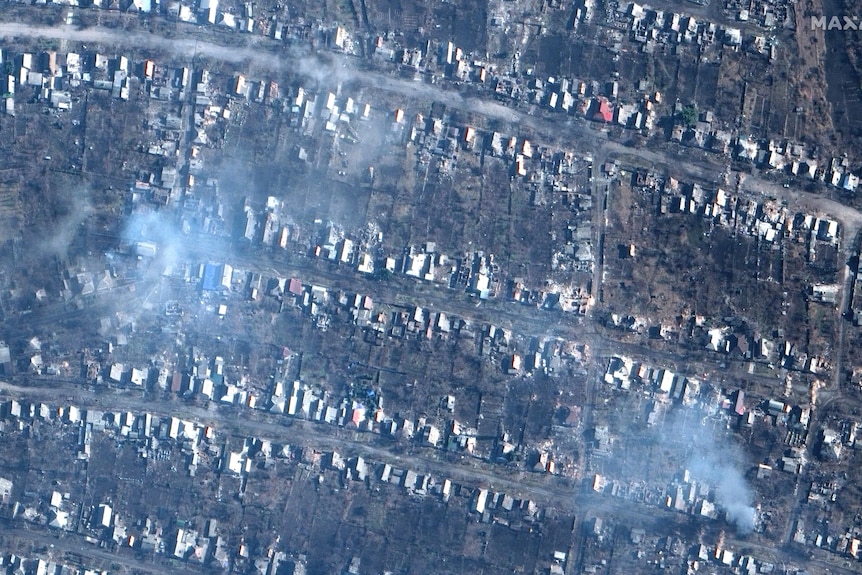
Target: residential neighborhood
x=449 y=287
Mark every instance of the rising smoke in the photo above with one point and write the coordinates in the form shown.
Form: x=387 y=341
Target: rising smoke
x=161 y=230
x=712 y=457
x=731 y=491
x=70 y=212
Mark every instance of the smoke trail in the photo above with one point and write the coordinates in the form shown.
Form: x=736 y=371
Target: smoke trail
x=70 y=213
x=157 y=228
x=712 y=457
x=731 y=493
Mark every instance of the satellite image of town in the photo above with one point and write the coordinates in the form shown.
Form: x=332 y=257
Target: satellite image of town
x=430 y=287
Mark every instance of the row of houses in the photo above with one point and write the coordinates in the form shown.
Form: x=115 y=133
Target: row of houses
x=53 y=75
x=19 y=565
x=548 y=173
x=655 y=23
x=665 y=387
x=149 y=433
x=848 y=543
x=767 y=220
x=649 y=26
x=790 y=158
x=161 y=436
x=769 y=155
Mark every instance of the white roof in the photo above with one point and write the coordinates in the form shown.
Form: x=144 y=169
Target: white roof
x=60 y=520
x=104 y=514
x=666 y=381
x=235 y=462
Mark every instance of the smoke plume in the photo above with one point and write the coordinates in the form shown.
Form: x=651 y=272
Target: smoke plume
x=702 y=444
x=731 y=491
x=71 y=212
x=159 y=229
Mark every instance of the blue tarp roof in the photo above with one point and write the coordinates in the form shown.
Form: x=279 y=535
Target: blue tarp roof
x=212 y=277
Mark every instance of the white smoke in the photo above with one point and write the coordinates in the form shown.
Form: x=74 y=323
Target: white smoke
x=731 y=491
x=71 y=213
x=162 y=230
x=712 y=458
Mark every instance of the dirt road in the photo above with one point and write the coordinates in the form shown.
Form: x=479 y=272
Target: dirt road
x=257 y=52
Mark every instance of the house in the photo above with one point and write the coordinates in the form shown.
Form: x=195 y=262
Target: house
x=235 y=462
x=346 y=251
x=831 y=446
x=825 y=293
x=433 y=435
x=481 y=501
x=103 y=515
x=146 y=249
x=514 y=364
x=775 y=408
x=174 y=428
x=116 y=373
x=739 y=403
x=603 y=111
x=850 y=182
x=216 y=277
x=410 y=479
x=665 y=382
x=58 y=519
x=176 y=382
x=228 y=20
x=791 y=465
x=469 y=136
x=5 y=489
x=210 y=10
x=746 y=149
x=141 y=6
x=138 y=377
x=360 y=469
x=73 y=63
x=357 y=415
x=181 y=547
x=733 y=36
x=61 y=100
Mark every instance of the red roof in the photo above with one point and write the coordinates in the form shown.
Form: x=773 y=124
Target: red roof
x=295 y=287
x=604 y=114
x=739 y=404
x=358 y=416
